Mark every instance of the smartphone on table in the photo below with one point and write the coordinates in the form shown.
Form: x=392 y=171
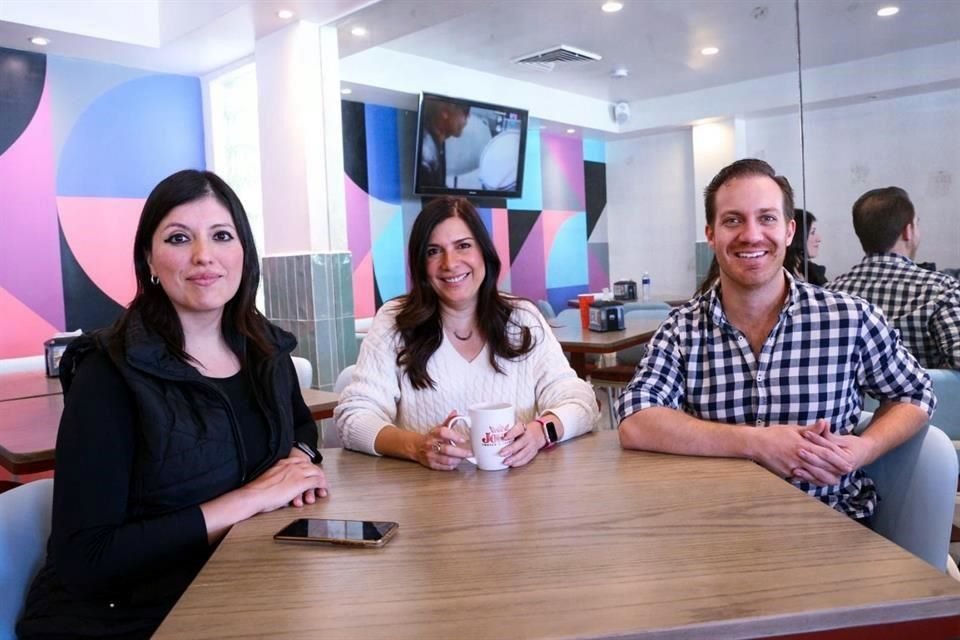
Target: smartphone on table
x=355 y=533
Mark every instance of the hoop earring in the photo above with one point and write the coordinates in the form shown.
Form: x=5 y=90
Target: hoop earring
x=154 y=280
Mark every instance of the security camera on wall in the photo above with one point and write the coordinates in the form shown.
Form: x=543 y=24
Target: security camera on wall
x=621 y=112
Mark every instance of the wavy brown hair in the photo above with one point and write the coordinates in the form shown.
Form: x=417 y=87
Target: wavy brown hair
x=419 y=322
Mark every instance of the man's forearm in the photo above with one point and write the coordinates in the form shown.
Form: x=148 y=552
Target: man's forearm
x=893 y=424
x=672 y=431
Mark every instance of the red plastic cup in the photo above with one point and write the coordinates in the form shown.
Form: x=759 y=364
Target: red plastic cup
x=585 y=299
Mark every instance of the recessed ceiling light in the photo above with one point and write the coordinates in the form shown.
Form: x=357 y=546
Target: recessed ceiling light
x=359 y=31
x=611 y=6
x=40 y=41
x=571 y=130
x=284 y=14
x=346 y=91
x=886 y=12
x=619 y=72
x=709 y=51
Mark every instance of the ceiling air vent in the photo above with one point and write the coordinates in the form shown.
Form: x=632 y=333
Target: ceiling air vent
x=546 y=59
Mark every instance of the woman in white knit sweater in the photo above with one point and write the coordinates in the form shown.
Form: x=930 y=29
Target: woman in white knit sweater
x=455 y=341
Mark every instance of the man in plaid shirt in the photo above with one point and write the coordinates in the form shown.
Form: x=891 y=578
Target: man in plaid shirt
x=766 y=367
x=923 y=305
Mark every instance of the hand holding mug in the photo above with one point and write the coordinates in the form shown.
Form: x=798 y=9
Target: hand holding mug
x=440 y=447
x=525 y=440
x=489 y=423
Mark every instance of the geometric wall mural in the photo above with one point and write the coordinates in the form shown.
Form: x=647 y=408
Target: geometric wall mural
x=81 y=148
x=552 y=242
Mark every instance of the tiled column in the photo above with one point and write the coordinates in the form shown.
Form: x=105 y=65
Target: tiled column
x=311 y=295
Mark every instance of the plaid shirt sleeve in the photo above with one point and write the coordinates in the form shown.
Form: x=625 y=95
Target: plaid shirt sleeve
x=660 y=378
x=945 y=327
x=889 y=371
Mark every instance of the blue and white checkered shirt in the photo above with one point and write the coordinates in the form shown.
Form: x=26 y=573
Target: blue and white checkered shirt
x=923 y=305
x=825 y=350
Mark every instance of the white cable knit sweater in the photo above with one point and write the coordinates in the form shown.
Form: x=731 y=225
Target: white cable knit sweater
x=380 y=394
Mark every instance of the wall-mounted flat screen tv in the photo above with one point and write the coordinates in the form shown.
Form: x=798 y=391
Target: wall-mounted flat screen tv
x=469 y=148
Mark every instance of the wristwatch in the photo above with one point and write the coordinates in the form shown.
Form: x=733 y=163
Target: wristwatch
x=549 y=432
x=315 y=456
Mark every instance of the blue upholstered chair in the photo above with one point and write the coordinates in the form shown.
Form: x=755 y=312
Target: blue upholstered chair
x=546 y=309
x=946 y=385
x=24 y=529
x=917 y=483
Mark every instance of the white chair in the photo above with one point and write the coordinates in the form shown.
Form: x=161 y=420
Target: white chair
x=917 y=484
x=24 y=529
x=344 y=378
x=304 y=371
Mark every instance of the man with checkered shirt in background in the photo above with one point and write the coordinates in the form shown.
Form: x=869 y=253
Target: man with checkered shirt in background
x=923 y=305
x=766 y=367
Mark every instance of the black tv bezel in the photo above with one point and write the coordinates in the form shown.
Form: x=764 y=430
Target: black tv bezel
x=477 y=193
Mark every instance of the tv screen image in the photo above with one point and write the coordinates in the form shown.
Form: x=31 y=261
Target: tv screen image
x=465 y=147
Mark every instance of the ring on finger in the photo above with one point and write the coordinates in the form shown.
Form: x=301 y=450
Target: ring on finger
x=437 y=446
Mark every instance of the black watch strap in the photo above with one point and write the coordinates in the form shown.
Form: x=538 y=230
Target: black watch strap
x=315 y=456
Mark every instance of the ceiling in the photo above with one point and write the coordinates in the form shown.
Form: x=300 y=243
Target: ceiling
x=657 y=41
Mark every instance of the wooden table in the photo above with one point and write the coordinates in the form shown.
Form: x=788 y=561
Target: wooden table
x=28 y=428
x=588 y=541
x=27 y=384
x=579 y=341
x=321 y=403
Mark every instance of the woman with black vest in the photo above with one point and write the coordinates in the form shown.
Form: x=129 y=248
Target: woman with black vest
x=182 y=419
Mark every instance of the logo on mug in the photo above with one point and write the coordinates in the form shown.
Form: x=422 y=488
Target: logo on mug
x=495 y=434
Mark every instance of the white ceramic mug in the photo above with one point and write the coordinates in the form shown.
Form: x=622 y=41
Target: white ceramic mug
x=488 y=423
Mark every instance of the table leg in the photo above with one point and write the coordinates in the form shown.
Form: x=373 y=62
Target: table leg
x=579 y=363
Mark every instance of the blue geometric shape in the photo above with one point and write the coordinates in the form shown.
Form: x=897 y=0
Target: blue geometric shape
x=532 y=199
x=132 y=137
x=388 y=259
x=567 y=262
x=594 y=150
x=558 y=296
x=383 y=160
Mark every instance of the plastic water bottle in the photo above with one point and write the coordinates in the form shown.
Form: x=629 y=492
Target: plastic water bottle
x=645 y=287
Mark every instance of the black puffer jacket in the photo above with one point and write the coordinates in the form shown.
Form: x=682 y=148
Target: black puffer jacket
x=153 y=439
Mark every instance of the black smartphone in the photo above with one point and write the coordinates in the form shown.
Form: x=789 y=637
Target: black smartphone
x=356 y=533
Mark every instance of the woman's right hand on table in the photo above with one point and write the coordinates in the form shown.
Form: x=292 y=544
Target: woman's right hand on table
x=440 y=448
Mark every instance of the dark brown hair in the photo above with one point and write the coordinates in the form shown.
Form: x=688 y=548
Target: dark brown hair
x=879 y=217
x=419 y=322
x=241 y=319
x=742 y=169
x=796 y=259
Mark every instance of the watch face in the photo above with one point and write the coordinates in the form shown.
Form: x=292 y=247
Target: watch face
x=551 y=432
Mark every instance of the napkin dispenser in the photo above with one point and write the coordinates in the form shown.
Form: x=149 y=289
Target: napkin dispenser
x=625 y=290
x=606 y=315
x=52 y=352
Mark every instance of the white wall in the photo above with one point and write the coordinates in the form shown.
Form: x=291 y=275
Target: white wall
x=912 y=142
x=651 y=209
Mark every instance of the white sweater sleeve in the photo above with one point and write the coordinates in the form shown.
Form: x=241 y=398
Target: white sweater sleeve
x=559 y=390
x=369 y=402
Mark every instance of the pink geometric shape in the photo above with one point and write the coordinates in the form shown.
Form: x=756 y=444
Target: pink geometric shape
x=552 y=221
x=30 y=242
x=100 y=233
x=528 y=272
x=24 y=332
x=501 y=241
x=364 y=302
x=358 y=220
x=565 y=155
x=598 y=275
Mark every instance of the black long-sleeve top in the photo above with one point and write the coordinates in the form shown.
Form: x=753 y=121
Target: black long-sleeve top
x=96 y=551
